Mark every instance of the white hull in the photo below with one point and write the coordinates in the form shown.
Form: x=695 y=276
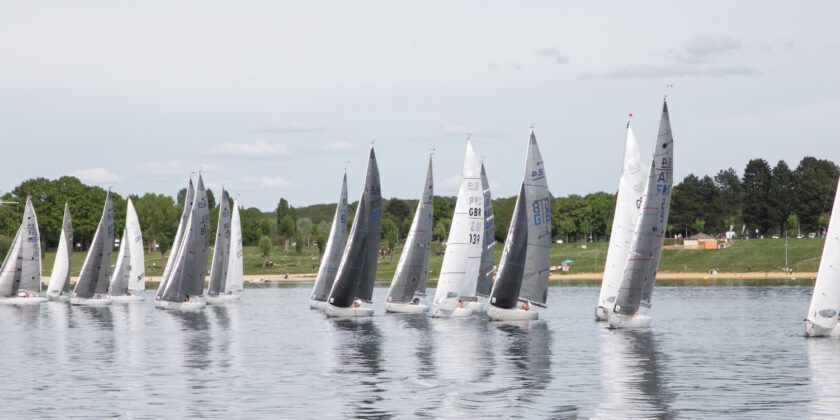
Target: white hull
x=601 y=314
x=57 y=297
x=181 y=306
x=814 y=330
x=629 y=321
x=405 y=308
x=232 y=296
x=351 y=312
x=462 y=312
x=515 y=314
x=476 y=307
x=105 y=300
x=216 y=300
x=20 y=300
x=318 y=304
x=438 y=312
x=127 y=298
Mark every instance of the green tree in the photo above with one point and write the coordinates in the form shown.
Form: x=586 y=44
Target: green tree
x=792 y=224
x=698 y=225
x=321 y=236
x=265 y=250
x=756 y=187
x=816 y=183
x=304 y=228
x=390 y=232
x=287 y=229
x=439 y=232
x=780 y=197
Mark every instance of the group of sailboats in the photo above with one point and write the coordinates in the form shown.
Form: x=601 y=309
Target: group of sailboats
x=344 y=284
x=638 y=231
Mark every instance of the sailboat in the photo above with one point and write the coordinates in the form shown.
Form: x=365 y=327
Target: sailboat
x=825 y=302
x=235 y=274
x=92 y=285
x=332 y=252
x=462 y=260
x=524 y=267
x=485 y=270
x=183 y=287
x=221 y=254
x=409 y=284
x=20 y=274
x=129 y=278
x=189 y=197
x=631 y=184
x=357 y=270
x=59 y=286
x=639 y=274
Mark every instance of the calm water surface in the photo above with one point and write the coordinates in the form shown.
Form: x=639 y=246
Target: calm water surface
x=711 y=352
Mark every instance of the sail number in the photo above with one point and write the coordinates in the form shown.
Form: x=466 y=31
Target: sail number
x=474 y=211
x=542 y=212
x=475 y=238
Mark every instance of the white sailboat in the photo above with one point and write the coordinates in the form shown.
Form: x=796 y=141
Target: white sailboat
x=92 y=285
x=825 y=301
x=639 y=275
x=59 y=286
x=332 y=252
x=20 y=274
x=485 y=271
x=460 y=268
x=183 y=287
x=409 y=284
x=189 y=197
x=129 y=278
x=631 y=186
x=524 y=267
x=235 y=270
x=357 y=272
x=221 y=254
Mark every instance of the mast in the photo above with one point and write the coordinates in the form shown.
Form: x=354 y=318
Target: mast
x=334 y=249
x=538 y=210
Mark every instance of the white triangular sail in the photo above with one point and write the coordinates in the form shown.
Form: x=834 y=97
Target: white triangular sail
x=221 y=249
x=60 y=276
x=189 y=197
x=462 y=259
x=119 y=279
x=335 y=248
x=21 y=270
x=95 y=276
x=825 y=302
x=235 y=276
x=134 y=241
x=631 y=186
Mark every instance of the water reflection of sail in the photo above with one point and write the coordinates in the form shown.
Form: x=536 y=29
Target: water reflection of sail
x=419 y=342
x=227 y=326
x=359 y=363
x=464 y=359
x=631 y=377
x=24 y=316
x=824 y=363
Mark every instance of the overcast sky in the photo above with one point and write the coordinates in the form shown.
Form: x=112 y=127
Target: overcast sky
x=272 y=99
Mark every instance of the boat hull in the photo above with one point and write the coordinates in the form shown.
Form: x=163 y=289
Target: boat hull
x=514 y=314
x=216 y=300
x=618 y=321
x=20 y=300
x=476 y=307
x=57 y=297
x=104 y=301
x=351 y=312
x=127 y=298
x=405 y=308
x=601 y=314
x=317 y=304
x=814 y=330
x=232 y=296
x=180 y=306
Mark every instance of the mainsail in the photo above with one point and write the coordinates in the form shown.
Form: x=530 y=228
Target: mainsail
x=186 y=279
x=825 y=302
x=21 y=270
x=233 y=282
x=96 y=270
x=221 y=249
x=506 y=288
x=134 y=241
x=631 y=186
x=643 y=260
x=189 y=197
x=485 y=271
x=335 y=247
x=413 y=266
x=357 y=271
x=60 y=276
x=460 y=267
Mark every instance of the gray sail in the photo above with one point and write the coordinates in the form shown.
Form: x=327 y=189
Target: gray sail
x=60 y=276
x=508 y=284
x=201 y=236
x=221 y=249
x=643 y=261
x=357 y=272
x=122 y=270
x=538 y=205
x=485 y=273
x=335 y=247
x=67 y=228
x=186 y=280
x=96 y=270
x=179 y=236
x=413 y=267
x=21 y=271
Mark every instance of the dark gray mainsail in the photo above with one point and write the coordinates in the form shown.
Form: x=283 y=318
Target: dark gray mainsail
x=357 y=272
x=485 y=271
x=96 y=270
x=646 y=248
x=179 y=235
x=413 y=267
x=186 y=280
x=538 y=206
x=122 y=270
x=506 y=288
x=21 y=270
x=60 y=277
x=334 y=249
x=221 y=249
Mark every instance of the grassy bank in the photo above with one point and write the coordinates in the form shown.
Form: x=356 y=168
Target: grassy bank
x=766 y=255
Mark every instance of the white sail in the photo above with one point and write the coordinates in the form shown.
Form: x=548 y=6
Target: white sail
x=461 y=262
x=335 y=248
x=189 y=197
x=21 y=271
x=631 y=184
x=60 y=276
x=235 y=267
x=825 y=302
x=134 y=241
x=119 y=279
x=95 y=275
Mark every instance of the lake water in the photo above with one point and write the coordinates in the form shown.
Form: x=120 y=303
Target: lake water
x=711 y=352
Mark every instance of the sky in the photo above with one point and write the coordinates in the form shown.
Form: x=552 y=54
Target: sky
x=277 y=98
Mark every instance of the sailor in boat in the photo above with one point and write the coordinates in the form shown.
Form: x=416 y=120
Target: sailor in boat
x=357 y=303
x=525 y=306
x=460 y=303
x=415 y=301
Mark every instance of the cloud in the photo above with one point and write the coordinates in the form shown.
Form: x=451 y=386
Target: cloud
x=96 y=175
x=463 y=132
x=258 y=149
x=554 y=53
x=705 y=49
x=450 y=183
x=174 y=168
x=334 y=147
x=493 y=67
x=288 y=128
x=675 y=71
x=265 y=182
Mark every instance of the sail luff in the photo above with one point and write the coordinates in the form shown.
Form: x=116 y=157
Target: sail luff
x=508 y=284
x=60 y=276
x=221 y=249
x=412 y=269
x=485 y=273
x=825 y=301
x=134 y=236
x=233 y=283
x=538 y=210
x=334 y=249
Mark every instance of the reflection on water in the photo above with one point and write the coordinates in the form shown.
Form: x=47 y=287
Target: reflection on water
x=358 y=362
x=824 y=364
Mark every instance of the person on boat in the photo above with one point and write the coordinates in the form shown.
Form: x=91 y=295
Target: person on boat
x=415 y=301
x=188 y=299
x=525 y=306
x=460 y=303
x=98 y=297
x=357 y=303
